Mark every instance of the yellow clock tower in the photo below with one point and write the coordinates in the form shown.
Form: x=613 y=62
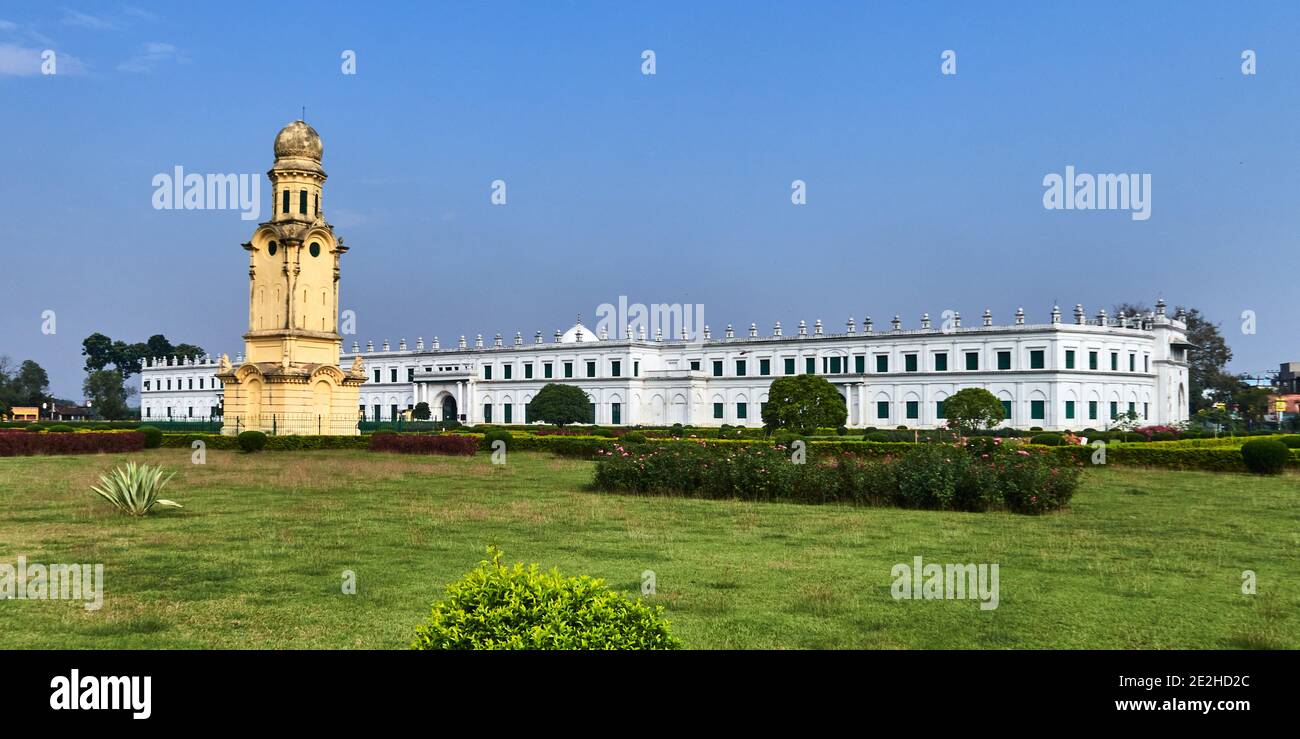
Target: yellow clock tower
x=290 y=381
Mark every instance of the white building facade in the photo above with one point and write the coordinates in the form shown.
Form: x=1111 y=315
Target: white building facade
x=179 y=389
x=1058 y=375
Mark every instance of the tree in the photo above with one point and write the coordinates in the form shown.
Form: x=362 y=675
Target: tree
x=108 y=395
x=1207 y=362
x=101 y=351
x=98 y=351
x=1220 y=418
x=1252 y=403
x=7 y=399
x=187 y=350
x=971 y=409
x=560 y=404
x=159 y=346
x=804 y=403
x=31 y=384
x=421 y=412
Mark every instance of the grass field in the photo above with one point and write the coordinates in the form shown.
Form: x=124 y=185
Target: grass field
x=1144 y=559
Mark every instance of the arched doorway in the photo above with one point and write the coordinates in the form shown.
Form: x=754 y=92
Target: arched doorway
x=449 y=408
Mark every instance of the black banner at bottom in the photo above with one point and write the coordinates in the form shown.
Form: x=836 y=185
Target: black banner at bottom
x=336 y=689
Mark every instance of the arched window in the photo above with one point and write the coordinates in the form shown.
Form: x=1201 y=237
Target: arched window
x=284 y=201
x=302 y=202
x=270 y=248
x=316 y=203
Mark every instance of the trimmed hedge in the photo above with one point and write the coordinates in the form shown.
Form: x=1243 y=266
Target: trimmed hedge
x=930 y=476
x=1207 y=459
x=452 y=444
x=109 y=442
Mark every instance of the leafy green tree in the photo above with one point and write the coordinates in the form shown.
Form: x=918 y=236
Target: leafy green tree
x=971 y=409
x=159 y=346
x=1252 y=403
x=803 y=403
x=187 y=350
x=101 y=351
x=421 y=412
x=107 y=394
x=560 y=404
x=7 y=392
x=1220 y=418
x=98 y=351
x=1206 y=363
x=31 y=384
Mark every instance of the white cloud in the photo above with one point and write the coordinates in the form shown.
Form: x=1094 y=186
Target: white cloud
x=86 y=20
x=150 y=56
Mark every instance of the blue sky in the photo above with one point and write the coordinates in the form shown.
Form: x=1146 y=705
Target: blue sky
x=924 y=190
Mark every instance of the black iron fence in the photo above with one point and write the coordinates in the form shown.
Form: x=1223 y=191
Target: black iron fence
x=300 y=424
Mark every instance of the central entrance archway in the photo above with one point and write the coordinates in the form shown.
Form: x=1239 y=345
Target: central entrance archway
x=449 y=408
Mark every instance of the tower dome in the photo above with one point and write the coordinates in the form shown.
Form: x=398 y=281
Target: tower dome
x=298 y=141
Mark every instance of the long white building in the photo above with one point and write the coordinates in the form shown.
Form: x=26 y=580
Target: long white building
x=179 y=388
x=1056 y=375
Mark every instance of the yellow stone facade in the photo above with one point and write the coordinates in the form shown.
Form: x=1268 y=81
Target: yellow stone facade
x=290 y=381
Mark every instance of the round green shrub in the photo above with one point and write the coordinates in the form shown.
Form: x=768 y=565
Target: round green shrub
x=251 y=441
x=1292 y=441
x=152 y=436
x=842 y=431
x=499 y=607
x=634 y=437
x=1265 y=456
x=491 y=437
x=35 y=427
x=676 y=431
x=60 y=428
x=1047 y=439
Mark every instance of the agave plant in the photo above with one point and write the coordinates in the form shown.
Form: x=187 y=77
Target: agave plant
x=134 y=489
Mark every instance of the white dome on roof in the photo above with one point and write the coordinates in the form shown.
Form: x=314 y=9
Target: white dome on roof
x=579 y=333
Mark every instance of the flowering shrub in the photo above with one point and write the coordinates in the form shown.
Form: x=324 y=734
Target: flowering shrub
x=1167 y=433
x=453 y=444
x=987 y=474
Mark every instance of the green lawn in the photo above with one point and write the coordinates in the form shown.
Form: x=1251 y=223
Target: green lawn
x=1144 y=559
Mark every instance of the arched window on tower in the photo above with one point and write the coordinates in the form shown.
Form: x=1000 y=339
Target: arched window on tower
x=302 y=202
x=284 y=202
x=316 y=203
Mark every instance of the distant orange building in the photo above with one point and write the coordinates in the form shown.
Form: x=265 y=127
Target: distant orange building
x=25 y=413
